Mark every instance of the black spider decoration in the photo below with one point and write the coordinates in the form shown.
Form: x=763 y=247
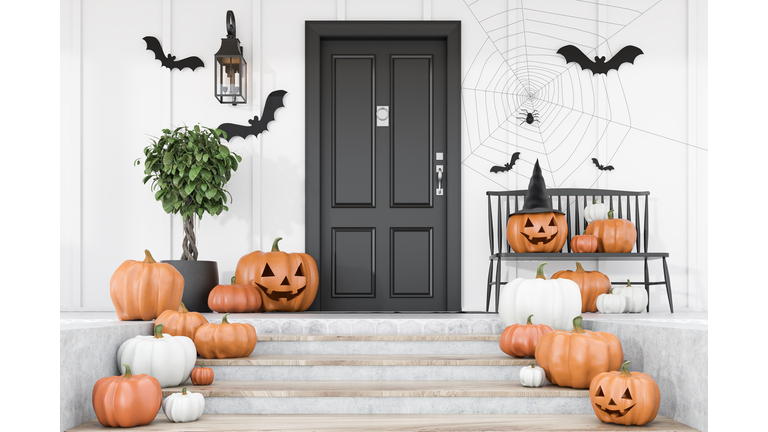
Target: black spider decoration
x=529 y=117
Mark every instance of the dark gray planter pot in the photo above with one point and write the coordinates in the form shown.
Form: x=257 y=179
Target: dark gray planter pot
x=200 y=277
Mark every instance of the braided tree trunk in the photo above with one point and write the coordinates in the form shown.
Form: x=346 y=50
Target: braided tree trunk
x=189 y=244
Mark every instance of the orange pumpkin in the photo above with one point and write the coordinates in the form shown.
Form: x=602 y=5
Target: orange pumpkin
x=287 y=282
x=584 y=243
x=574 y=358
x=613 y=235
x=537 y=232
x=202 y=375
x=181 y=322
x=234 y=298
x=591 y=284
x=624 y=397
x=520 y=340
x=142 y=290
x=127 y=400
x=225 y=340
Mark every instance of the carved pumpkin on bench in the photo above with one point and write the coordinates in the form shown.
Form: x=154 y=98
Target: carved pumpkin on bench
x=287 y=281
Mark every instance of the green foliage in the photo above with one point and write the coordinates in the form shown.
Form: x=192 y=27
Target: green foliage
x=189 y=169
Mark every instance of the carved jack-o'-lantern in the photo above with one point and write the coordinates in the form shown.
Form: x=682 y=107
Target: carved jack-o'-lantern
x=623 y=397
x=537 y=232
x=287 y=282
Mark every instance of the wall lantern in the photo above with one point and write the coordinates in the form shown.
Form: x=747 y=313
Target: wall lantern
x=230 y=74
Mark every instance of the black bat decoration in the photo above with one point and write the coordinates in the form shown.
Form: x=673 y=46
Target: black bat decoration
x=506 y=167
x=274 y=101
x=601 y=167
x=628 y=54
x=170 y=61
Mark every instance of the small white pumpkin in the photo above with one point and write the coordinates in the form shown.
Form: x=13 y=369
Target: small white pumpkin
x=611 y=303
x=170 y=359
x=184 y=407
x=533 y=376
x=596 y=211
x=554 y=302
x=637 y=297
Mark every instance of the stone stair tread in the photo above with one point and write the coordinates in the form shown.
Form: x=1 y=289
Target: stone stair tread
x=369 y=360
x=395 y=422
x=278 y=337
x=376 y=389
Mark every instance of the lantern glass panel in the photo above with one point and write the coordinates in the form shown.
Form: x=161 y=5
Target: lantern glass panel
x=231 y=79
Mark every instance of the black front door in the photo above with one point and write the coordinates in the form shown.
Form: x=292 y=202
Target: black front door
x=383 y=216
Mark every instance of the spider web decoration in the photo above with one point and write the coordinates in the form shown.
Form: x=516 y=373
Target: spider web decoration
x=517 y=70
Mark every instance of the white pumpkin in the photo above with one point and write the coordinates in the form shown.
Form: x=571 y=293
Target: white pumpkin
x=184 y=407
x=637 y=297
x=596 y=211
x=169 y=359
x=611 y=303
x=533 y=376
x=554 y=302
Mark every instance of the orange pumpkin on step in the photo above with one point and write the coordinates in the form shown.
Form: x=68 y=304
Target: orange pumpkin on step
x=234 y=298
x=613 y=235
x=225 y=340
x=520 y=340
x=591 y=284
x=584 y=243
x=142 y=290
x=202 y=375
x=574 y=358
x=287 y=281
x=181 y=322
x=624 y=397
x=127 y=400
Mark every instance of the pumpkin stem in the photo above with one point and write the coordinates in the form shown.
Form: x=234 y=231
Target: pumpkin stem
x=584 y=233
x=624 y=371
x=577 y=325
x=233 y=279
x=274 y=245
x=127 y=374
x=533 y=365
x=182 y=308
x=159 y=331
x=224 y=320
x=148 y=257
x=579 y=268
x=184 y=391
x=628 y=284
x=201 y=365
x=540 y=271
x=594 y=200
x=610 y=291
x=529 y=320
x=610 y=214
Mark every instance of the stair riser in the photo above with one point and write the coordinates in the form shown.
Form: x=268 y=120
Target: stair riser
x=366 y=373
x=377 y=347
x=397 y=405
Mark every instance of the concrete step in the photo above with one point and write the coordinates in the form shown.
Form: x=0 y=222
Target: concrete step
x=367 y=367
x=377 y=343
x=387 y=397
x=371 y=422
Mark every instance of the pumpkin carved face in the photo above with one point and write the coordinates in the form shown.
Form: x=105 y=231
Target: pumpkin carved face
x=537 y=232
x=287 y=281
x=623 y=397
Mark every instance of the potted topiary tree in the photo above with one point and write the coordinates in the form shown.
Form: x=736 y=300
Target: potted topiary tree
x=189 y=168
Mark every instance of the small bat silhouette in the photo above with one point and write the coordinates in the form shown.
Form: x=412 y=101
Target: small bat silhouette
x=601 y=167
x=628 y=54
x=274 y=101
x=506 y=167
x=170 y=61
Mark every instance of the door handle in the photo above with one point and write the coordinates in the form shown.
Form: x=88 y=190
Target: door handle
x=439 y=169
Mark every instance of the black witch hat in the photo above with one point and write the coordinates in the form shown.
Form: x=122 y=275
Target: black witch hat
x=537 y=200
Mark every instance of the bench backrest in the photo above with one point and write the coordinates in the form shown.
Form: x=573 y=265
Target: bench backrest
x=627 y=205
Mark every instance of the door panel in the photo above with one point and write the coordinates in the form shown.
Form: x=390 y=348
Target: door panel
x=382 y=255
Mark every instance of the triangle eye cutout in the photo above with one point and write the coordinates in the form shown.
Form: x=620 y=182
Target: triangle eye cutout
x=267 y=271
x=627 y=395
x=300 y=270
x=599 y=392
x=528 y=224
x=552 y=222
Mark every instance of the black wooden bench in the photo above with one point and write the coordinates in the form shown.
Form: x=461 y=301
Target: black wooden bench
x=626 y=205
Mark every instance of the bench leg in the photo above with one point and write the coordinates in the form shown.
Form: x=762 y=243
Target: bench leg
x=488 y=295
x=647 y=287
x=668 y=283
x=498 y=282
